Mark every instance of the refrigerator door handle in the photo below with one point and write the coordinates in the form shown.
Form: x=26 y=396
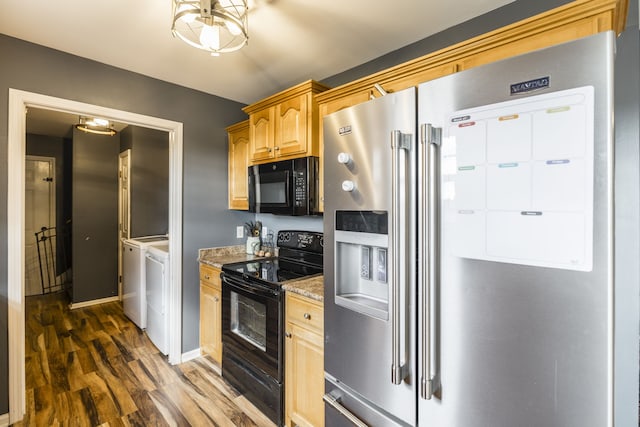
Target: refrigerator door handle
x=334 y=402
x=399 y=143
x=429 y=242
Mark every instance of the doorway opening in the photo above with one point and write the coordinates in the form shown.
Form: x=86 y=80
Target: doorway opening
x=19 y=101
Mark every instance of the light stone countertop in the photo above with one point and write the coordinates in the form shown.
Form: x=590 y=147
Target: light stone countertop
x=215 y=257
x=310 y=287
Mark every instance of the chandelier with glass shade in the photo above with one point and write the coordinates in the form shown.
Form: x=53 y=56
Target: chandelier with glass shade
x=217 y=26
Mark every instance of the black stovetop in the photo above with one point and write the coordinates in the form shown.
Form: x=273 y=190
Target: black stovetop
x=300 y=255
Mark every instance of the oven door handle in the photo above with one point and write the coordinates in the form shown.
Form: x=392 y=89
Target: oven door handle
x=253 y=288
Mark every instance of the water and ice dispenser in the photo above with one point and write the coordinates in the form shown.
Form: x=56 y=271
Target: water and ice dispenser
x=362 y=262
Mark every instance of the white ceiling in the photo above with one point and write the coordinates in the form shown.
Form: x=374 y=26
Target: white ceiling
x=289 y=40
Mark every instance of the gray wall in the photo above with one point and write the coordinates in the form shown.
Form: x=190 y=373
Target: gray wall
x=94 y=216
x=149 y=179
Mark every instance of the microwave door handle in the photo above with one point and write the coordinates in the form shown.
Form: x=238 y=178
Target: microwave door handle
x=400 y=144
x=430 y=244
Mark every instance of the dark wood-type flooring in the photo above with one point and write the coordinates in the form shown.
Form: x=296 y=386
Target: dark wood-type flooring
x=93 y=367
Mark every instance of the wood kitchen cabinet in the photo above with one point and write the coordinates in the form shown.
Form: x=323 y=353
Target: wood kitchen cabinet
x=211 y=312
x=238 y=136
x=285 y=125
x=304 y=362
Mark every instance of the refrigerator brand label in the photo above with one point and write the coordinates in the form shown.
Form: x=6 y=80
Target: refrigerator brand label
x=530 y=85
x=460 y=119
x=345 y=130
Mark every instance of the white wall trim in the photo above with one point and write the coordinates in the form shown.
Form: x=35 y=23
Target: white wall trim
x=82 y=304
x=18 y=102
x=4 y=420
x=190 y=355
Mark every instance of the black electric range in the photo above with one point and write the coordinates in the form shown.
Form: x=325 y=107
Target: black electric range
x=253 y=318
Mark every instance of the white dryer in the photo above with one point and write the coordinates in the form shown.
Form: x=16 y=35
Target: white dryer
x=134 y=302
x=157 y=295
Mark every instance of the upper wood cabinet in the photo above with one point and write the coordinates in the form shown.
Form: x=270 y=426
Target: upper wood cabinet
x=285 y=125
x=238 y=135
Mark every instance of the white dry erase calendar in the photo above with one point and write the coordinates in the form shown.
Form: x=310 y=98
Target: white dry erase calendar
x=517 y=180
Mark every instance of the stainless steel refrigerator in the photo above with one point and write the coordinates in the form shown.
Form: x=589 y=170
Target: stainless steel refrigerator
x=468 y=246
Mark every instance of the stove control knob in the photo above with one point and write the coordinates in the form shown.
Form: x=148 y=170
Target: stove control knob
x=344 y=158
x=348 y=186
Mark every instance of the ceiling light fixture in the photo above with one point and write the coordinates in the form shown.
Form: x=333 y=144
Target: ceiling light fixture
x=217 y=26
x=96 y=125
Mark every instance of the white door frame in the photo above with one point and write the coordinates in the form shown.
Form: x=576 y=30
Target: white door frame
x=18 y=103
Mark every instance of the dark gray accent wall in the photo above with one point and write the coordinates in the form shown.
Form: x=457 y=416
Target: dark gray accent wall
x=148 y=179
x=94 y=216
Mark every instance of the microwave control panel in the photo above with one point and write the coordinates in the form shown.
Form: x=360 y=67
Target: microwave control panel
x=300 y=188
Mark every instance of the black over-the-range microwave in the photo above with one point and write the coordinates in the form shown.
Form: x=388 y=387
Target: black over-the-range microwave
x=287 y=187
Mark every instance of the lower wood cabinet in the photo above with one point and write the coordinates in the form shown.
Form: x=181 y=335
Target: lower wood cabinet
x=211 y=312
x=304 y=362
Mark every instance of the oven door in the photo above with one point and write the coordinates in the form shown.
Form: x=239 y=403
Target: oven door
x=252 y=324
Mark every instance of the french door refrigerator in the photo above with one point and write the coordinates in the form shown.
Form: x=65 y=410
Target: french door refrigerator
x=468 y=237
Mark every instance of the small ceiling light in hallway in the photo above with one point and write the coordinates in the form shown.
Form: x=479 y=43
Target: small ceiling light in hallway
x=96 y=125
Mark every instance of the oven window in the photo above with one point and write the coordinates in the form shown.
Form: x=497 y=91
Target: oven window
x=249 y=320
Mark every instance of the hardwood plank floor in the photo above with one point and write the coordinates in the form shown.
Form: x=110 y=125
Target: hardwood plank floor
x=93 y=367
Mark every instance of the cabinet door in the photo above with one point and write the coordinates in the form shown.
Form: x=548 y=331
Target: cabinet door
x=261 y=128
x=304 y=377
x=291 y=126
x=211 y=321
x=238 y=163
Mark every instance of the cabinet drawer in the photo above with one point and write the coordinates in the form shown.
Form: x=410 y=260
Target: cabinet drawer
x=210 y=275
x=305 y=312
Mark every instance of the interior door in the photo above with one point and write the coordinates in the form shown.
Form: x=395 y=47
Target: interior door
x=39 y=212
x=124 y=198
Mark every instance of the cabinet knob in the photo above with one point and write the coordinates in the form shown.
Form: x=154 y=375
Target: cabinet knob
x=287 y=334
x=269 y=150
x=307 y=316
x=206 y=276
x=216 y=299
x=277 y=148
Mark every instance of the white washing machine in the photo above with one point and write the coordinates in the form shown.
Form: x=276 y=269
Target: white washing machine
x=157 y=295
x=134 y=302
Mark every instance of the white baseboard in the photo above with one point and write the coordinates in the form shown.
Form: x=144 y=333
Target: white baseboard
x=73 y=306
x=4 y=420
x=190 y=355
